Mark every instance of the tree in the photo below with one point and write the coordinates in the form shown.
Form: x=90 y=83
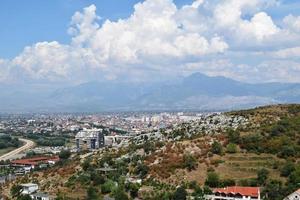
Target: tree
x=287 y=169
x=262 y=176
x=108 y=187
x=97 y=179
x=180 y=194
x=142 y=170
x=212 y=180
x=133 y=189
x=24 y=197
x=273 y=190
x=216 y=148
x=231 y=148
x=119 y=194
x=190 y=162
x=287 y=151
x=15 y=190
x=64 y=154
x=233 y=136
x=92 y=193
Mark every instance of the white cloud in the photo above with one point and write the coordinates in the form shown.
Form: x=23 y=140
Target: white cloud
x=292 y=22
x=158 y=37
x=288 y=53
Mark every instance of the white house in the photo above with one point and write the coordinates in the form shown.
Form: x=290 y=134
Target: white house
x=294 y=196
x=29 y=188
x=40 y=196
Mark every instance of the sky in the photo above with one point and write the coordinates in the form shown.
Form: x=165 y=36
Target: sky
x=76 y=41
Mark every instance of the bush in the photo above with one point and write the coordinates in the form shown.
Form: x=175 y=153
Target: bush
x=233 y=136
x=119 y=194
x=287 y=151
x=262 y=176
x=227 y=182
x=212 y=180
x=108 y=187
x=92 y=194
x=64 y=154
x=216 y=148
x=287 y=169
x=142 y=170
x=180 y=194
x=231 y=148
x=190 y=162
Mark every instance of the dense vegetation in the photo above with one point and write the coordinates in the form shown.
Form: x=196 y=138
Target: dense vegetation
x=8 y=141
x=277 y=133
x=48 y=140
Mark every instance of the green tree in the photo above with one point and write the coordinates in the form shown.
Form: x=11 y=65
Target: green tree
x=15 y=190
x=233 y=136
x=64 y=154
x=119 y=194
x=108 y=187
x=262 y=176
x=273 y=190
x=287 y=169
x=142 y=170
x=180 y=194
x=231 y=148
x=24 y=197
x=190 y=162
x=216 y=148
x=92 y=194
x=212 y=180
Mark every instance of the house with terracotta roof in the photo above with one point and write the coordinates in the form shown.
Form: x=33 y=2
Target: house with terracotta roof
x=294 y=196
x=235 y=193
x=31 y=163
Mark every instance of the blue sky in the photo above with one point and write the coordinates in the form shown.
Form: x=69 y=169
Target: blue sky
x=71 y=41
x=26 y=22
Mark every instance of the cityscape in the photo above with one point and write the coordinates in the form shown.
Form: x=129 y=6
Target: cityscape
x=150 y=100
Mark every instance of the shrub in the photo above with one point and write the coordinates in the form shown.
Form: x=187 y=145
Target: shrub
x=190 y=162
x=212 y=180
x=231 y=148
x=262 y=176
x=64 y=154
x=287 y=169
x=180 y=194
x=216 y=148
x=108 y=187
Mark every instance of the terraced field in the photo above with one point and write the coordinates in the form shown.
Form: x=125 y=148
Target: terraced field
x=240 y=166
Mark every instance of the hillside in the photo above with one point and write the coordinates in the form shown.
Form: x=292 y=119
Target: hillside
x=256 y=147
x=195 y=92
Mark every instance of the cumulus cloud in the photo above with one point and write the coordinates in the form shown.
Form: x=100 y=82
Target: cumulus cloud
x=292 y=22
x=159 y=37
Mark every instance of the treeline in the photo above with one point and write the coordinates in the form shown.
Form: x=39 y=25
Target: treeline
x=281 y=138
x=43 y=140
x=8 y=141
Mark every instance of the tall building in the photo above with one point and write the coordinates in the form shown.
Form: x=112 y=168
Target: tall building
x=89 y=139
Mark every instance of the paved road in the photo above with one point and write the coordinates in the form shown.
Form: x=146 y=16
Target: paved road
x=10 y=155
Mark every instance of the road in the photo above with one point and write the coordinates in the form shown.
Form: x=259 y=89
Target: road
x=10 y=155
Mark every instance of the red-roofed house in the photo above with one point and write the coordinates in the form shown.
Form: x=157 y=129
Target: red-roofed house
x=235 y=193
x=31 y=163
x=294 y=196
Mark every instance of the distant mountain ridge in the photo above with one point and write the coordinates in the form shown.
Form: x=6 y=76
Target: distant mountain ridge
x=195 y=92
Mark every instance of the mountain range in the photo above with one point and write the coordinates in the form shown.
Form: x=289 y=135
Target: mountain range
x=195 y=92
